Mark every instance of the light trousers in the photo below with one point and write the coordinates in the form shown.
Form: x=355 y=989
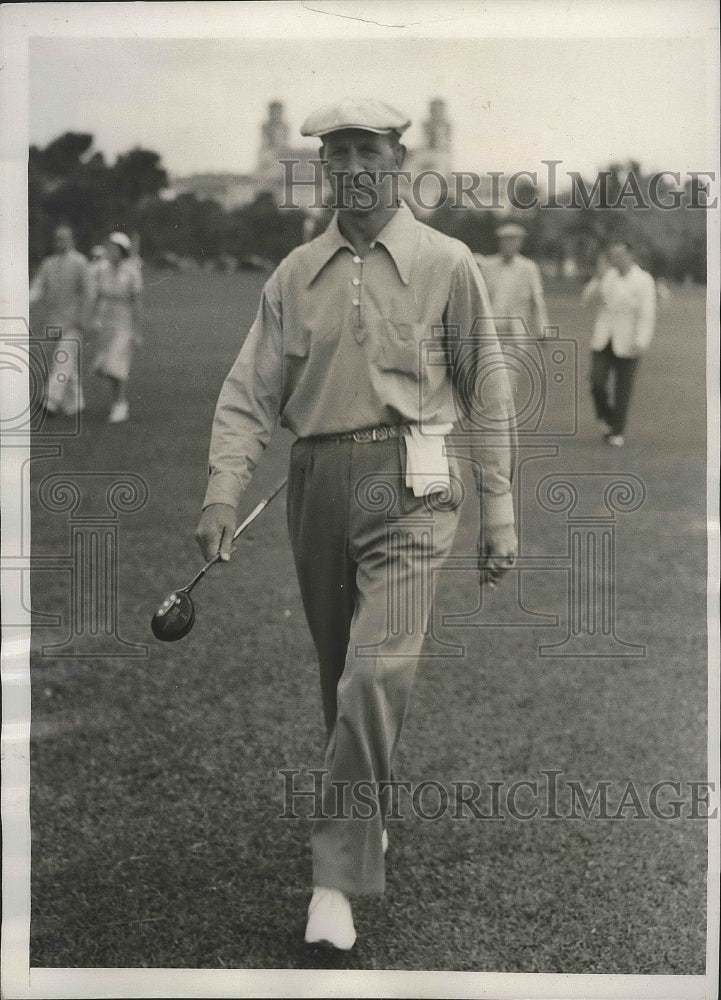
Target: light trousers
x=64 y=388
x=365 y=550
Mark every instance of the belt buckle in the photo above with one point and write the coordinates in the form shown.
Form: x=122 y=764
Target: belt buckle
x=373 y=434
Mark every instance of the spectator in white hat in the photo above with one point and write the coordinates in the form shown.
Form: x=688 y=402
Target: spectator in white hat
x=117 y=320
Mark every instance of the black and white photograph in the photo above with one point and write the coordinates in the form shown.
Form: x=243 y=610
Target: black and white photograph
x=359 y=464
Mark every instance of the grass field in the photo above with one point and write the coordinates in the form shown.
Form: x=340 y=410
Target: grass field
x=155 y=792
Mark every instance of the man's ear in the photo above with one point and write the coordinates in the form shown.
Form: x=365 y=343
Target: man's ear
x=322 y=157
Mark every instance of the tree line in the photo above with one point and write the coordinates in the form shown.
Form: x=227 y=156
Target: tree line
x=69 y=181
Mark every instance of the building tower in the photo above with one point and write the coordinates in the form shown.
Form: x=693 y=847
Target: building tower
x=274 y=140
x=436 y=152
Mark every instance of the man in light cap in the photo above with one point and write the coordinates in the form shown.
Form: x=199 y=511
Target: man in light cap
x=514 y=285
x=338 y=350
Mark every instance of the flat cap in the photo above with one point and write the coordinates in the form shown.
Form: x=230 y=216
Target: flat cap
x=350 y=112
x=511 y=229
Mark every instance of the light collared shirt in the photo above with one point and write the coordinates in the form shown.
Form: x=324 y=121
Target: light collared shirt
x=64 y=285
x=626 y=311
x=516 y=292
x=342 y=342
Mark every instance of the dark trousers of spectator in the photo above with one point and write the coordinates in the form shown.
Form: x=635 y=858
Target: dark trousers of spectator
x=612 y=380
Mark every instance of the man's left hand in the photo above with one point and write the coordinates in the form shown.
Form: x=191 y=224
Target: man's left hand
x=498 y=554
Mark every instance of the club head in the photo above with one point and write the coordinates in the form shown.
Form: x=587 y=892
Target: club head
x=174 y=618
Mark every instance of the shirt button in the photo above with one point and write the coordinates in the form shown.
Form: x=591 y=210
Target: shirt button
x=356 y=259
x=356 y=302
x=356 y=281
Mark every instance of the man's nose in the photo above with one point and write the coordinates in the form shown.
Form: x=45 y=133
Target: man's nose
x=356 y=165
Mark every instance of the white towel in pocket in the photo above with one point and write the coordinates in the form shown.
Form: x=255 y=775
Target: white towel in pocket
x=426 y=459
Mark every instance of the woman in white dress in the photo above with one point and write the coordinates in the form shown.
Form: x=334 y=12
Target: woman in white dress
x=117 y=320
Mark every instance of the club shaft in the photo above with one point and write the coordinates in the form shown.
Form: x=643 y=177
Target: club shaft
x=238 y=531
x=256 y=510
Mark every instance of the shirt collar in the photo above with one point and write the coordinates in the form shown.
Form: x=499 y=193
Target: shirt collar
x=397 y=236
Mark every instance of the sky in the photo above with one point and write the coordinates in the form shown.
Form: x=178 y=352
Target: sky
x=513 y=100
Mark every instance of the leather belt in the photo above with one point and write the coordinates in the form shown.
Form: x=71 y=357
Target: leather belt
x=366 y=434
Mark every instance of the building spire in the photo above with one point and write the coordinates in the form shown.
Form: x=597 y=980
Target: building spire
x=437 y=128
x=273 y=137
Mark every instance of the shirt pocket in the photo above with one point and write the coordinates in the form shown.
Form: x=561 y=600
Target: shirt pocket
x=400 y=348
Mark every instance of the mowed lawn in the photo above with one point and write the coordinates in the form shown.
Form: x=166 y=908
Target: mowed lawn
x=155 y=792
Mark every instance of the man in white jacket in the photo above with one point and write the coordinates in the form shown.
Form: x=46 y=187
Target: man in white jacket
x=623 y=329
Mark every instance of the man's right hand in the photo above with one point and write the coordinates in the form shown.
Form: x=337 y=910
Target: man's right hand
x=215 y=531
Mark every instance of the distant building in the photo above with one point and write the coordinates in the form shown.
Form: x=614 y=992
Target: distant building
x=229 y=190
x=278 y=177
x=436 y=152
x=270 y=174
x=303 y=173
x=428 y=163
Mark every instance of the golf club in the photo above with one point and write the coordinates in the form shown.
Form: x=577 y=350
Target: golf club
x=176 y=615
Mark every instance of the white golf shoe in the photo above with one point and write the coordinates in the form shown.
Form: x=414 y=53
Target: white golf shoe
x=119 y=413
x=615 y=440
x=330 y=919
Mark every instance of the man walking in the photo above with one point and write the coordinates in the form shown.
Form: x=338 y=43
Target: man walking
x=622 y=331
x=63 y=284
x=515 y=286
x=341 y=351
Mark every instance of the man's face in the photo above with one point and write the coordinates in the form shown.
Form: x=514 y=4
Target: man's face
x=63 y=239
x=357 y=165
x=620 y=257
x=113 y=253
x=510 y=245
